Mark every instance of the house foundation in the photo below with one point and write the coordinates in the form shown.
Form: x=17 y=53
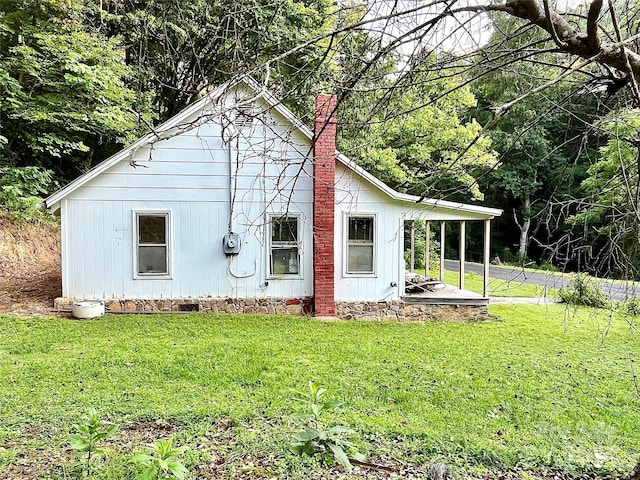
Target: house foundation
x=261 y=306
x=397 y=310
x=410 y=312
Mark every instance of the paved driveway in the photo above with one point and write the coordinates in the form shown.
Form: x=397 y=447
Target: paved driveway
x=515 y=275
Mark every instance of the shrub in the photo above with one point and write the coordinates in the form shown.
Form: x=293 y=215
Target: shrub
x=21 y=192
x=582 y=290
x=630 y=307
x=548 y=266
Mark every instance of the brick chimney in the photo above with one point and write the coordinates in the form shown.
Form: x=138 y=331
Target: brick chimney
x=324 y=177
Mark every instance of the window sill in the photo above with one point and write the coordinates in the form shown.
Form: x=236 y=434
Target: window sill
x=152 y=277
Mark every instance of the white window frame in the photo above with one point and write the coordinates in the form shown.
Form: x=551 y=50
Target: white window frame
x=348 y=243
x=271 y=245
x=168 y=243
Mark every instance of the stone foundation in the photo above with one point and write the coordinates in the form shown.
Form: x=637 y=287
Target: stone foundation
x=410 y=312
x=392 y=310
x=263 y=306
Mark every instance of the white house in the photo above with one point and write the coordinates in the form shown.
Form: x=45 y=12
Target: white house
x=235 y=205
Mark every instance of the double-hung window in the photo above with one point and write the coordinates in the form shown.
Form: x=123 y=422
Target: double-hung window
x=360 y=244
x=285 y=246
x=152 y=237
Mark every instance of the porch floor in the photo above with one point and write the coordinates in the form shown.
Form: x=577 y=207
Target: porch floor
x=449 y=295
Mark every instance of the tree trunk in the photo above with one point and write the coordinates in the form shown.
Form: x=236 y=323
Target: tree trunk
x=524 y=226
x=524 y=238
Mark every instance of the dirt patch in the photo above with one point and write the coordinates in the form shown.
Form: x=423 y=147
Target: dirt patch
x=30 y=276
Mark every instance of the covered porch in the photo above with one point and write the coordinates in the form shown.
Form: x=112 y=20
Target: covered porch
x=432 y=287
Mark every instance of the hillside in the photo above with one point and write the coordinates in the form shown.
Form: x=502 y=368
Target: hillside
x=29 y=267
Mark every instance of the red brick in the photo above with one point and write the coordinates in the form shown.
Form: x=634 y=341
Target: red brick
x=324 y=152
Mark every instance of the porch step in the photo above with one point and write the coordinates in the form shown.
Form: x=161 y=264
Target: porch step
x=434 y=300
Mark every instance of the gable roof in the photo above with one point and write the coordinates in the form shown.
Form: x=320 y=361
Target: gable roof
x=53 y=201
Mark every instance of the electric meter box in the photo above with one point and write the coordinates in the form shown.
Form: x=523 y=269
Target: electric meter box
x=231 y=244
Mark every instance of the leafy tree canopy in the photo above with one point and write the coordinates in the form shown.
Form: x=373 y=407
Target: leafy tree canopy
x=609 y=213
x=64 y=93
x=414 y=137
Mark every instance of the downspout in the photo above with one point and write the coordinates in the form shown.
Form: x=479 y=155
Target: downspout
x=232 y=186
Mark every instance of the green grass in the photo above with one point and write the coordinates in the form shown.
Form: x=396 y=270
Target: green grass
x=497 y=287
x=536 y=387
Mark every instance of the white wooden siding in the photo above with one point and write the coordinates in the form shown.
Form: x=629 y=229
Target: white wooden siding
x=210 y=188
x=357 y=197
x=192 y=176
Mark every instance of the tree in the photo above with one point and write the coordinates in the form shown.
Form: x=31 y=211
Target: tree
x=63 y=89
x=179 y=49
x=537 y=140
x=610 y=215
x=414 y=144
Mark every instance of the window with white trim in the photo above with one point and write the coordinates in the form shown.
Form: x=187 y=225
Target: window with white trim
x=285 y=246
x=152 y=244
x=360 y=244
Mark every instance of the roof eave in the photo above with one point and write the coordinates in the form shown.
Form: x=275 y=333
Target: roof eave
x=53 y=201
x=485 y=212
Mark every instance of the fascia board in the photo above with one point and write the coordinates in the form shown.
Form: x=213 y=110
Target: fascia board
x=415 y=200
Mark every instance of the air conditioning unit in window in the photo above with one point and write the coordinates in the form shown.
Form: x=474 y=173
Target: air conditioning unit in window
x=231 y=244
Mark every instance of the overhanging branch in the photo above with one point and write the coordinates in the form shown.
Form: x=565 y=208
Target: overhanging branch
x=613 y=54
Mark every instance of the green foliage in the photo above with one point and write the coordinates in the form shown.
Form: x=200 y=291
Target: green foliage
x=162 y=462
x=64 y=87
x=419 y=247
x=541 y=141
x=416 y=138
x=177 y=50
x=21 y=191
x=88 y=434
x=547 y=266
x=609 y=213
x=631 y=306
x=314 y=439
x=583 y=290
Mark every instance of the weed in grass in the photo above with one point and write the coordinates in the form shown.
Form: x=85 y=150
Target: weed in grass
x=88 y=434
x=162 y=462
x=630 y=307
x=438 y=471
x=315 y=439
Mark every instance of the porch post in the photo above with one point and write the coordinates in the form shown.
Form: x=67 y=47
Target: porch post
x=442 y=230
x=413 y=245
x=463 y=246
x=487 y=244
x=427 y=247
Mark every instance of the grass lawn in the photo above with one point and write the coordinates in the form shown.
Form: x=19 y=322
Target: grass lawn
x=497 y=287
x=536 y=389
